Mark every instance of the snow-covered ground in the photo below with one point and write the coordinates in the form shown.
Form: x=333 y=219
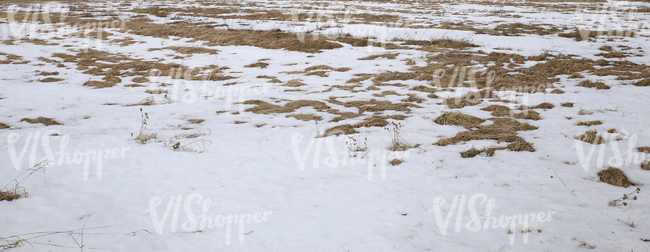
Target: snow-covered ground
x=212 y=159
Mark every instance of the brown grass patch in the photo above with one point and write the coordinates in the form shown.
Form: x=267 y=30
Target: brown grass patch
x=529 y=114
x=591 y=137
x=266 y=108
x=520 y=145
x=293 y=83
x=645 y=165
x=344 y=129
x=459 y=119
x=258 y=64
x=588 y=123
x=395 y=162
x=385 y=55
x=567 y=104
x=9 y=195
x=196 y=121
x=544 y=105
x=502 y=130
x=413 y=98
x=644 y=149
x=614 y=176
x=442 y=43
x=642 y=83
x=472 y=152
x=99 y=84
x=187 y=49
x=576 y=76
x=50 y=79
x=45 y=73
x=590 y=84
x=557 y=91
x=306 y=117
x=43 y=120
x=4 y=126
x=273 y=39
x=140 y=79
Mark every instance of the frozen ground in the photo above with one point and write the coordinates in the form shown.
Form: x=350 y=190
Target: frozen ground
x=238 y=128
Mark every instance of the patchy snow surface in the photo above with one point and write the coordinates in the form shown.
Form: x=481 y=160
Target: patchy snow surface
x=297 y=192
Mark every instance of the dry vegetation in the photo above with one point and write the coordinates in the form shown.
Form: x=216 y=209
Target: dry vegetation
x=614 y=176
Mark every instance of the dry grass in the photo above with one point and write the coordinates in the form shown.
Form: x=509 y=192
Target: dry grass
x=502 y=130
x=140 y=79
x=644 y=149
x=567 y=104
x=267 y=108
x=642 y=83
x=4 y=126
x=544 y=105
x=50 y=79
x=459 y=119
x=442 y=43
x=521 y=145
x=43 y=120
x=306 y=117
x=591 y=137
x=259 y=64
x=395 y=162
x=99 y=84
x=196 y=121
x=385 y=55
x=273 y=39
x=472 y=152
x=614 y=176
x=10 y=195
x=588 y=123
x=645 y=165
x=344 y=129
x=590 y=84
x=187 y=49
x=46 y=73
x=157 y=91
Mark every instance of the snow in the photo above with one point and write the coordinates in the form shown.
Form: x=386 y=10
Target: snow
x=254 y=172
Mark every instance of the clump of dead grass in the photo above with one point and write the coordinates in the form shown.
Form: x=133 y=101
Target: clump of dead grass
x=472 y=152
x=459 y=119
x=50 y=79
x=502 y=130
x=591 y=137
x=588 y=123
x=645 y=165
x=590 y=84
x=442 y=43
x=521 y=145
x=544 y=105
x=567 y=104
x=4 y=126
x=344 y=129
x=614 y=176
x=196 y=121
x=43 y=120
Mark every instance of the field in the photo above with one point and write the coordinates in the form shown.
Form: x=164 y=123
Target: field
x=381 y=125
